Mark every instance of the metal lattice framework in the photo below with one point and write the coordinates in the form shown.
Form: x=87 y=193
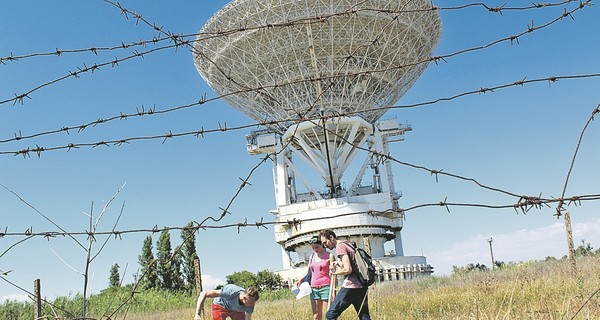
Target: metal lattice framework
x=330 y=56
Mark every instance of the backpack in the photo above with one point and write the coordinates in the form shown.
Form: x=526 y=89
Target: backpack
x=362 y=265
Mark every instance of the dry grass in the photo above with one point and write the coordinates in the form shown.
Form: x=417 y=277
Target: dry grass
x=535 y=290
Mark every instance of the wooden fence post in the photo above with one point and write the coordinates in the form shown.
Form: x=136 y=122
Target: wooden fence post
x=197 y=275
x=37 y=304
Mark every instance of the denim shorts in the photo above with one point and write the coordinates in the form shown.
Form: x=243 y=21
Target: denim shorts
x=321 y=293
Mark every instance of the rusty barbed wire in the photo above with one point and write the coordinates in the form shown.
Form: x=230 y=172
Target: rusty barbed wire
x=383 y=156
x=39 y=213
x=522 y=206
x=203 y=100
x=202 y=132
x=244 y=184
x=525 y=205
x=178 y=42
x=95 y=50
x=595 y=112
x=499 y=9
x=143 y=43
x=30 y=295
x=559 y=207
x=524 y=201
x=20 y=98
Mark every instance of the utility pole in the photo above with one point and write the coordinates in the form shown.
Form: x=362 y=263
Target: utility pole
x=492 y=253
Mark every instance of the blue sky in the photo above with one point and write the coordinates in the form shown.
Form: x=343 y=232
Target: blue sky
x=519 y=139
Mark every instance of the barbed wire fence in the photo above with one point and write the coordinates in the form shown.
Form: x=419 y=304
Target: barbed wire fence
x=169 y=40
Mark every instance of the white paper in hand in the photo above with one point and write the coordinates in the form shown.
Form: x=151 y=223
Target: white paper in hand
x=301 y=291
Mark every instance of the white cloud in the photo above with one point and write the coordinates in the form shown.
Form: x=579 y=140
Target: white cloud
x=520 y=245
x=209 y=282
x=15 y=297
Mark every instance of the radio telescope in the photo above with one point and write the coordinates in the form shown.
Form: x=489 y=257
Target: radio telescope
x=319 y=74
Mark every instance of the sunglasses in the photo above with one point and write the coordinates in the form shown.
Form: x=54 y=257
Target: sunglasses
x=314 y=240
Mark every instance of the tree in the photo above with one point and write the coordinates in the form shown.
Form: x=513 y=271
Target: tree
x=263 y=280
x=268 y=280
x=243 y=279
x=476 y=266
x=176 y=267
x=114 y=280
x=163 y=267
x=189 y=255
x=584 y=250
x=169 y=264
x=147 y=263
x=499 y=264
x=469 y=268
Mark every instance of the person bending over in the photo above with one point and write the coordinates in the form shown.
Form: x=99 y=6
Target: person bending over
x=230 y=301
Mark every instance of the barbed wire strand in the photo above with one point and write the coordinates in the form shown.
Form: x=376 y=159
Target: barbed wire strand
x=202 y=132
x=559 y=207
x=143 y=43
x=525 y=204
x=30 y=296
x=178 y=42
x=141 y=111
x=39 y=213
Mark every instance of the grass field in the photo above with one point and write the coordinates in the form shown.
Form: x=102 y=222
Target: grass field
x=534 y=290
x=531 y=290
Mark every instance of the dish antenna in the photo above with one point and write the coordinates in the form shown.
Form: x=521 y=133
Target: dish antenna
x=319 y=74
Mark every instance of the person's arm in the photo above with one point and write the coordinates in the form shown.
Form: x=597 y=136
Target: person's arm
x=200 y=305
x=346 y=268
x=332 y=264
x=248 y=316
x=301 y=280
x=307 y=275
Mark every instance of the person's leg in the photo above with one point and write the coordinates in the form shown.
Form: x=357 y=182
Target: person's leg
x=313 y=305
x=360 y=301
x=318 y=310
x=339 y=304
x=325 y=297
x=321 y=297
x=324 y=306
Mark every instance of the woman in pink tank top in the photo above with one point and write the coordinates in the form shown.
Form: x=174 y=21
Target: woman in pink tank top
x=318 y=275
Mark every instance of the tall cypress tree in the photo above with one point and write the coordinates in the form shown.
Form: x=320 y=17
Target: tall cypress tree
x=164 y=267
x=114 y=279
x=176 y=266
x=147 y=266
x=169 y=264
x=188 y=250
